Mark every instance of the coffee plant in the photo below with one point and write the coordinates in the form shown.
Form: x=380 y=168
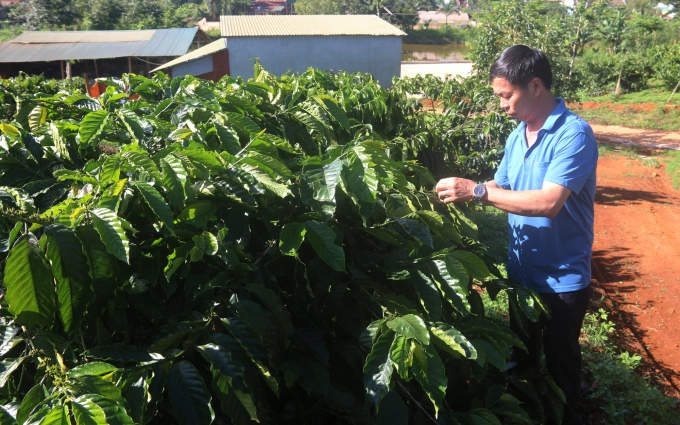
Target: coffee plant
x=181 y=251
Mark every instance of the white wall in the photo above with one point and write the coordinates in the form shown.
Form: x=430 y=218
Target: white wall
x=379 y=55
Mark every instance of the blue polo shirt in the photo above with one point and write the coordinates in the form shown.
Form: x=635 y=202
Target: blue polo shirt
x=552 y=255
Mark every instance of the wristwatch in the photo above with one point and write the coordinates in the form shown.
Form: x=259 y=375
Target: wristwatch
x=478 y=193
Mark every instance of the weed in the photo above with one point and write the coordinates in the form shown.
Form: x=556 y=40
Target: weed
x=673 y=169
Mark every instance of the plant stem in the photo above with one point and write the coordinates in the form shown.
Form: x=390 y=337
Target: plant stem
x=674 y=90
x=418 y=404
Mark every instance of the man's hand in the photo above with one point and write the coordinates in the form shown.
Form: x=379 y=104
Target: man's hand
x=455 y=189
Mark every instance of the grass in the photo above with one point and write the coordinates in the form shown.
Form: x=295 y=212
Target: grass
x=673 y=169
x=656 y=93
x=658 y=118
x=617 y=393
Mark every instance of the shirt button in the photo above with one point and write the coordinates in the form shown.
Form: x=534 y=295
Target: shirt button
x=526 y=159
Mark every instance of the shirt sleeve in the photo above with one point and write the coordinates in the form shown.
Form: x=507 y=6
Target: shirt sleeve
x=574 y=160
x=501 y=176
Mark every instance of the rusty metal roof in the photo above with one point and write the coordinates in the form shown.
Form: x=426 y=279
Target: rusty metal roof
x=298 y=25
x=214 y=47
x=41 y=46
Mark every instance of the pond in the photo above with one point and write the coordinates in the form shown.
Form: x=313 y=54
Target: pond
x=433 y=52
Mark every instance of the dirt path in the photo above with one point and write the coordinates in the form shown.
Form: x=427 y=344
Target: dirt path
x=636 y=265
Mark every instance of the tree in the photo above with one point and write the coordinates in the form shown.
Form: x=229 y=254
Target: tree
x=104 y=14
x=53 y=14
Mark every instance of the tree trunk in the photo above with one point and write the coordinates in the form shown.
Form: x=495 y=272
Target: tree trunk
x=573 y=50
x=618 y=83
x=674 y=90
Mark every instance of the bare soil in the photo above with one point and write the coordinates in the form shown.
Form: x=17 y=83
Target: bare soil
x=636 y=266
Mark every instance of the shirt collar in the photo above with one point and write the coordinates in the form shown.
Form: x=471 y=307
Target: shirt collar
x=559 y=110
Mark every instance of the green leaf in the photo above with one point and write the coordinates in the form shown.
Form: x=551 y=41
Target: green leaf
x=378 y=368
x=71 y=270
x=483 y=417
x=9 y=339
x=137 y=161
x=110 y=172
x=197 y=214
x=34 y=397
x=400 y=354
x=428 y=294
x=322 y=237
x=262 y=178
x=91 y=409
x=10 y=130
x=92 y=125
x=6 y=418
x=453 y=282
x=362 y=179
x=7 y=367
x=473 y=264
x=228 y=139
x=110 y=229
x=132 y=123
x=57 y=416
x=491 y=353
x=122 y=353
x=251 y=342
x=269 y=164
x=222 y=362
x=59 y=142
x=92 y=368
x=430 y=373
x=156 y=202
x=292 y=236
x=274 y=304
x=174 y=177
x=410 y=326
x=512 y=411
x=331 y=106
x=393 y=410
x=92 y=384
x=452 y=341
x=29 y=283
x=37 y=117
x=189 y=398
x=417 y=230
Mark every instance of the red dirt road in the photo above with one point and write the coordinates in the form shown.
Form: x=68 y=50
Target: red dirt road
x=636 y=262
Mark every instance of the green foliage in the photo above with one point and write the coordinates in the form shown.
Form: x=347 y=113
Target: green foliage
x=260 y=250
x=513 y=22
x=620 y=395
x=602 y=74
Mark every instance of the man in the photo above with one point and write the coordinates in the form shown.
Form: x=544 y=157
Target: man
x=546 y=182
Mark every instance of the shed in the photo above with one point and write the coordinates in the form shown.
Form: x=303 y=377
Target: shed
x=210 y=62
x=283 y=43
x=99 y=53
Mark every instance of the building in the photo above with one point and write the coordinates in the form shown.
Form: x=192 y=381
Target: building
x=293 y=43
x=436 y=19
x=62 y=54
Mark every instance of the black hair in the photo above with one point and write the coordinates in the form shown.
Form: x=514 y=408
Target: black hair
x=519 y=64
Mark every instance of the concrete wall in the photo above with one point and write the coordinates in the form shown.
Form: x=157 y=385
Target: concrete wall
x=379 y=55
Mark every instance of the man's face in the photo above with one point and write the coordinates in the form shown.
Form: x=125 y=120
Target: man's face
x=515 y=101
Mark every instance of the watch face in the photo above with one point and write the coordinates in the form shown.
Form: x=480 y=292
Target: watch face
x=479 y=190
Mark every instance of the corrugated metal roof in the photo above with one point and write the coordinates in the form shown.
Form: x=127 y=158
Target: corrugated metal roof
x=43 y=37
x=211 y=48
x=297 y=25
x=163 y=42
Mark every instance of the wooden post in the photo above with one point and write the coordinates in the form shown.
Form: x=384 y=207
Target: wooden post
x=68 y=70
x=96 y=69
x=129 y=64
x=61 y=63
x=148 y=66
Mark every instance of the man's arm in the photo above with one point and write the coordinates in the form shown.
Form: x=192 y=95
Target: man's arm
x=546 y=202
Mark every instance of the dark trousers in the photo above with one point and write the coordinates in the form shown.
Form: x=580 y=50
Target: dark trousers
x=558 y=337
